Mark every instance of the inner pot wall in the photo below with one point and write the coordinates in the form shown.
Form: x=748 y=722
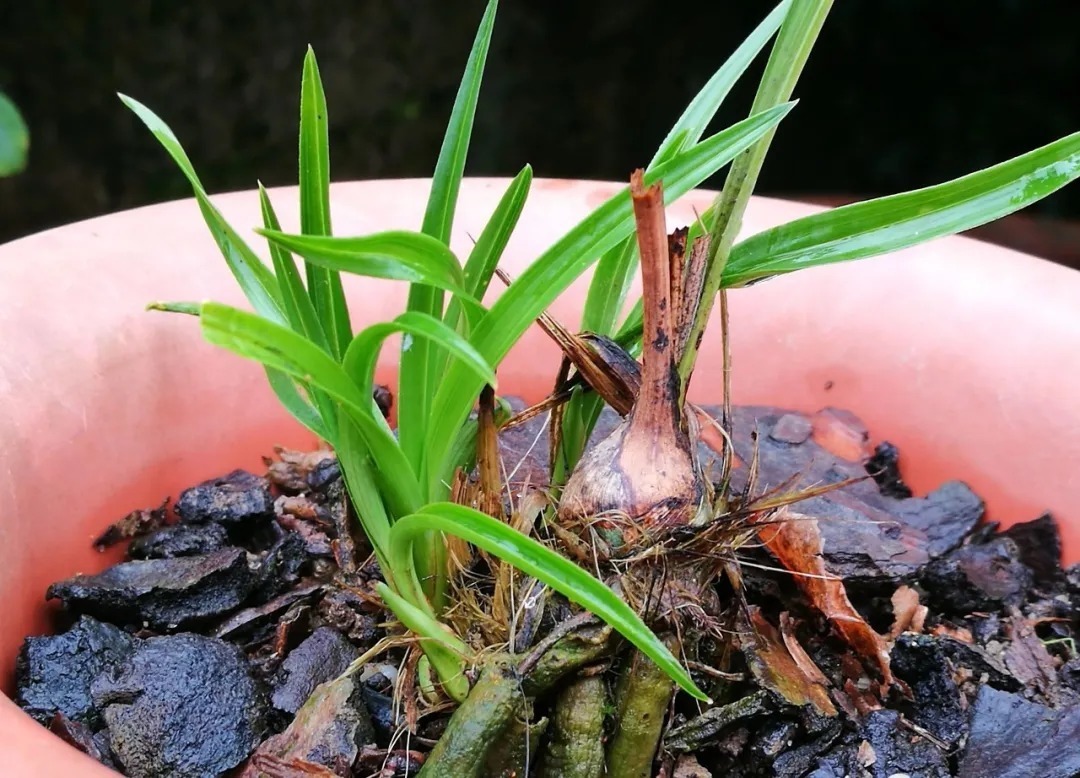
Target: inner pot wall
x=959 y=352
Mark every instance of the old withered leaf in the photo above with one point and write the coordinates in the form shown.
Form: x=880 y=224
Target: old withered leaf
x=795 y=678
x=795 y=541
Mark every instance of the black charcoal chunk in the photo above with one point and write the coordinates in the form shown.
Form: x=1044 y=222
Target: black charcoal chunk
x=183 y=706
x=53 y=673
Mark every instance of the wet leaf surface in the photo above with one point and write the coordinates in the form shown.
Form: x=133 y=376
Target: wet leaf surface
x=796 y=542
x=798 y=681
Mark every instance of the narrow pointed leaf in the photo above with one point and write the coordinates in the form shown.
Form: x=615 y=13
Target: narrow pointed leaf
x=186 y=308
x=363 y=485
x=800 y=30
x=557 y=268
x=446 y=181
x=890 y=223
x=614 y=271
x=396 y=255
x=485 y=256
x=254 y=277
x=547 y=566
x=324 y=284
x=294 y=296
x=689 y=127
x=420 y=364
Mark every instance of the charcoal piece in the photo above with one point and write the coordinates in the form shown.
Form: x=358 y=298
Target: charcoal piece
x=163 y=593
x=381 y=709
x=343 y=610
x=797 y=761
x=282 y=566
x=183 y=706
x=945 y=516
x=1072 y=580
x=53 y=673
x=985 y=628
x=938 y=705
x=179 y=540
x=384 y=399
x=1070 y=674
x=966 y=656
x=322 y=657
x=243 y=624
x=897 y=750
x=884 y=466
x=773 y=738
x=1039 y=544
x=1013 y=738
x=329 y=730
x=79 y=736
x=979 y=577
x=327 y=472
x=237 y=499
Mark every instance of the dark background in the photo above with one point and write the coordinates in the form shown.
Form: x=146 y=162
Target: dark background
x=898 y=94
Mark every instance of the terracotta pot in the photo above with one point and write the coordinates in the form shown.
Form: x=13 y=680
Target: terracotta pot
x=958 y=352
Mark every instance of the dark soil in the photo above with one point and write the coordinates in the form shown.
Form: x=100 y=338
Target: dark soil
x=225 y=641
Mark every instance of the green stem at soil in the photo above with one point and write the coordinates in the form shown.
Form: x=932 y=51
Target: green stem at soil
x=500 y=694
x=793 y=44
x=516 y=752
x=642 y=698
x=477 y=725
x=576 y=748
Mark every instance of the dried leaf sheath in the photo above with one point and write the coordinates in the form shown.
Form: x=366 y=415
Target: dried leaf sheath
x=644 y=476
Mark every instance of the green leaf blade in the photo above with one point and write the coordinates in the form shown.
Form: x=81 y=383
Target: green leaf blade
x=254 y=277
x=443 y=650
x=485 y=256
x=547 y=566
x=324 y=284
x=446 y=181
x=488 y=250
x=397 y=255
x=691 y=125
x=420 y=364
x=899 y=221
x=294 y=297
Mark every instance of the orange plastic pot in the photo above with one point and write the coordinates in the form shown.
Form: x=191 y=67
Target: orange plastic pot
x=961 y=353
